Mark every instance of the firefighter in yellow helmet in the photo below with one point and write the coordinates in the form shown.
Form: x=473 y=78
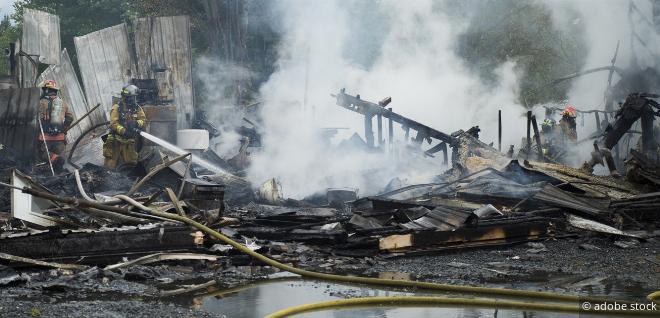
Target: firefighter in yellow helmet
x=127 y=120
x=55 y=118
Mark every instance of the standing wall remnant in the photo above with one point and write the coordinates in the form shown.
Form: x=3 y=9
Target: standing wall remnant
x=163 y=49
x=106 y=65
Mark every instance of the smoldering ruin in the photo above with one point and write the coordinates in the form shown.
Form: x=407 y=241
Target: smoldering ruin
x=243 y=158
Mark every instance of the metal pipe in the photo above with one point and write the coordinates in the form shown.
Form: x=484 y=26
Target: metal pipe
x=499 y=130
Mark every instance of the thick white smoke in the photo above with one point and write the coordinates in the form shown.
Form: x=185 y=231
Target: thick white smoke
x=415 y=64
x=605 y=22
x=217 y=83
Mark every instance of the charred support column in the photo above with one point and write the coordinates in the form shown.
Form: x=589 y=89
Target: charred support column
x=12 y=59
x=598 y=122
x=499 y=130
x=445 y=155
x=390 y=133
x=647 y=130
x=537 y=138
x=407 y=134
x=379 y=117
x=368 y=131
x=529 y=138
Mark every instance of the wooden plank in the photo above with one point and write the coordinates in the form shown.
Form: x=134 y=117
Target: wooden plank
x=505 y=233
x=395 y=242
x=70 y=91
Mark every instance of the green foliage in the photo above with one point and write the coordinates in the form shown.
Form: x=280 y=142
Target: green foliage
x=8 y=34
x=77 y=17
x=523 y=31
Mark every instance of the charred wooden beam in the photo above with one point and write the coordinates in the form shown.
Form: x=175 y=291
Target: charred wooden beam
x=358 y=105
x=93 y=246
x=467 y=236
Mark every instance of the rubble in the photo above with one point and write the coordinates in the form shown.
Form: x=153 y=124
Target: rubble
x=100 y=232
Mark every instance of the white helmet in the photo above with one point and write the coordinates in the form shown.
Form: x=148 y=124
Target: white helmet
x=129 y=90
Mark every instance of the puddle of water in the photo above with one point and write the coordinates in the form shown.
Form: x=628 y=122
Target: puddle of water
x=260 y=299
x=282 y=290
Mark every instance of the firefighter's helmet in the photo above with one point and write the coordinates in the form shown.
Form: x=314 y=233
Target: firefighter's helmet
x=51 y=84
x=129 y=90
x=569 y=111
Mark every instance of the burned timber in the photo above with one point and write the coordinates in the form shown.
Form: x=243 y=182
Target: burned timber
x=133 y=211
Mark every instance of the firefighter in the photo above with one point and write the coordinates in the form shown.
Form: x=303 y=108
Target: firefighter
x=127 y=120
x=54 y=119
x=568 y=124
x=548 y=134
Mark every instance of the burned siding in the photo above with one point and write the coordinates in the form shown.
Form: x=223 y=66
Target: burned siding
x=163 y=53
x=105 y=66
x=26 y=68
x=70 y=91
x=41 y=36
x=18 y=114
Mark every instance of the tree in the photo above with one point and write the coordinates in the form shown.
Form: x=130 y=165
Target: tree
x=8 y=34
x=523 y=30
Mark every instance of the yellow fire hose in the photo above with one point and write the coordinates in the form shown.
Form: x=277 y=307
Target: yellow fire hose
x=426 y=301
x=415 y=300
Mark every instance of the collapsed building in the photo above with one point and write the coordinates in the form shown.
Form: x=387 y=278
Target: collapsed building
x=92 y=216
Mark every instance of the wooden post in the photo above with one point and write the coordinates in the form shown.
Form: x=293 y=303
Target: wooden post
x=537 y=138
x=407 y=134
x=445 y=156
x=598 y=122
x=390 y=133
x=499 y=130
x=379 y=117
x=368 y=131
x=529 y=137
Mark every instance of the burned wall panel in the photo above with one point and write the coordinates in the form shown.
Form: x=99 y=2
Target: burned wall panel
x=41 y=36
x=163 y=53
x=26 y=68
x=18 y=114
x=106 y=65
x=70 y=91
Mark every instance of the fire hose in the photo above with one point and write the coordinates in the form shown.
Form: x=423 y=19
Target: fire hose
x=396 y=300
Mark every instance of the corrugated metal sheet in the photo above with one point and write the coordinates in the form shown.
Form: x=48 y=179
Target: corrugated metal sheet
x=41 y=36
x=70 y=91
x=18 y=114
x=163 y=43
x=106 y=65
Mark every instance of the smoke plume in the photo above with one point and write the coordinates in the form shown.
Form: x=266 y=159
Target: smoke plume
x=410 y=57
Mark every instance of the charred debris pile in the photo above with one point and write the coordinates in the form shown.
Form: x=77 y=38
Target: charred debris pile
x=90 y=218
x=486 y=199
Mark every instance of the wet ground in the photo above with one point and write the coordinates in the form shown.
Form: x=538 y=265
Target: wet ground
x=585 y=266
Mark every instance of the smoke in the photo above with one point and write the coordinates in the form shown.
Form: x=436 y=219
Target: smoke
x=216 y=83
x=605 y=22
x=410 y=57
